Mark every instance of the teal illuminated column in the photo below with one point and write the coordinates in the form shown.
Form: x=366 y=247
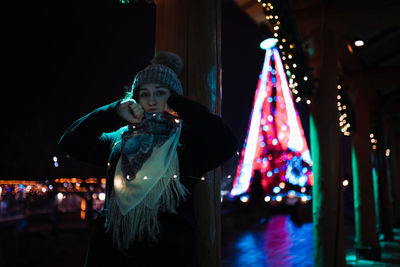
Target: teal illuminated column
x=393 y=158
x=191 y=28
x=324 y=135
x=366 y=237
x=384 y=197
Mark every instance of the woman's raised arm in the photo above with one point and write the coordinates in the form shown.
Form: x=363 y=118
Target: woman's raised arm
x=213 y=142
x=90 y=137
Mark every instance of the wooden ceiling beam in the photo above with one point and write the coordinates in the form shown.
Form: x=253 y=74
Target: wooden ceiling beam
x=350 y=18
x=376 y=79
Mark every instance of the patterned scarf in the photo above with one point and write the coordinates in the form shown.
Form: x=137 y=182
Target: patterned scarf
x=146 y=180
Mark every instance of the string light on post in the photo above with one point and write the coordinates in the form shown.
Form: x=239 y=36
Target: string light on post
x=286 y=34
x=374 y=141
x=344 y=119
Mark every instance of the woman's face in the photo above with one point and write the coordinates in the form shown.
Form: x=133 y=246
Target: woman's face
x=153 y=97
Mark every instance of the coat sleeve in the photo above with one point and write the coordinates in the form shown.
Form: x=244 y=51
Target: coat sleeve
x=89 y=138
x=213 y=142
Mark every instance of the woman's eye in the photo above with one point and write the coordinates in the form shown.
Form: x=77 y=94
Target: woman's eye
x=143 y=95
x=160 y=93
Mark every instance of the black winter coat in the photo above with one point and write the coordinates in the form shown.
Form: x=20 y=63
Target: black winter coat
x=205 y=143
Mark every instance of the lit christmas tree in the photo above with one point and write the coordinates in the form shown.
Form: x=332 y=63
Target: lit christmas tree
x=275 y=145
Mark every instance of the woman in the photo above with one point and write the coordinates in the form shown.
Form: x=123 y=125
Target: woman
x=156 y=145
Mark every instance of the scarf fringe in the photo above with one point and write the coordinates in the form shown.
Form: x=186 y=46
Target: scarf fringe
x=141 y=222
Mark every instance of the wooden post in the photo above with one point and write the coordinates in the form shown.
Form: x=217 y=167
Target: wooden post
x=366 y=238
x=395 y=170
x=324 y=132
x=191 y=29
x=385 y=207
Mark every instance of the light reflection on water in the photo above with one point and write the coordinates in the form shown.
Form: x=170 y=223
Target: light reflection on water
x=279 y=242
x=22 y=199
x=248 y=250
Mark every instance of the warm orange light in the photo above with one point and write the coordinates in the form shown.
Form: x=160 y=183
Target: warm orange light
x=350 y=48
x=91 y=181
x=83 y=204
x=83 y=208
x=19 y=182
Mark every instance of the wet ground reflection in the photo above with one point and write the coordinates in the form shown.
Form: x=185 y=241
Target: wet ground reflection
x=274 y=242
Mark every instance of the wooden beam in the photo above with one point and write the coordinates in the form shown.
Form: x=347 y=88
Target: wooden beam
x=324 y=136
x=191 y=28
x=253 y=9
x=366 y=237
x=375 y=79
x=350 y=18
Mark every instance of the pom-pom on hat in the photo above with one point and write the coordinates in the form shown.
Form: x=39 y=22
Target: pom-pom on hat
x=164 y=69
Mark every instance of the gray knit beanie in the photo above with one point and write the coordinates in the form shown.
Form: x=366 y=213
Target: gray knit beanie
x=165 y=69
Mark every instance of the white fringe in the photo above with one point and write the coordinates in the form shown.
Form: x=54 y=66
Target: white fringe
x=141 y=222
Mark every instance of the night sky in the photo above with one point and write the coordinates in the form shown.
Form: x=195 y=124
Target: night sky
x=74 y=56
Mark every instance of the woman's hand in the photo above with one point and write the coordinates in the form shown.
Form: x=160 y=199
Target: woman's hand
x=130 y=111
x=169 y=110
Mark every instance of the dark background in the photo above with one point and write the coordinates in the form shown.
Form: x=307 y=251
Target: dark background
x=70 y=57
